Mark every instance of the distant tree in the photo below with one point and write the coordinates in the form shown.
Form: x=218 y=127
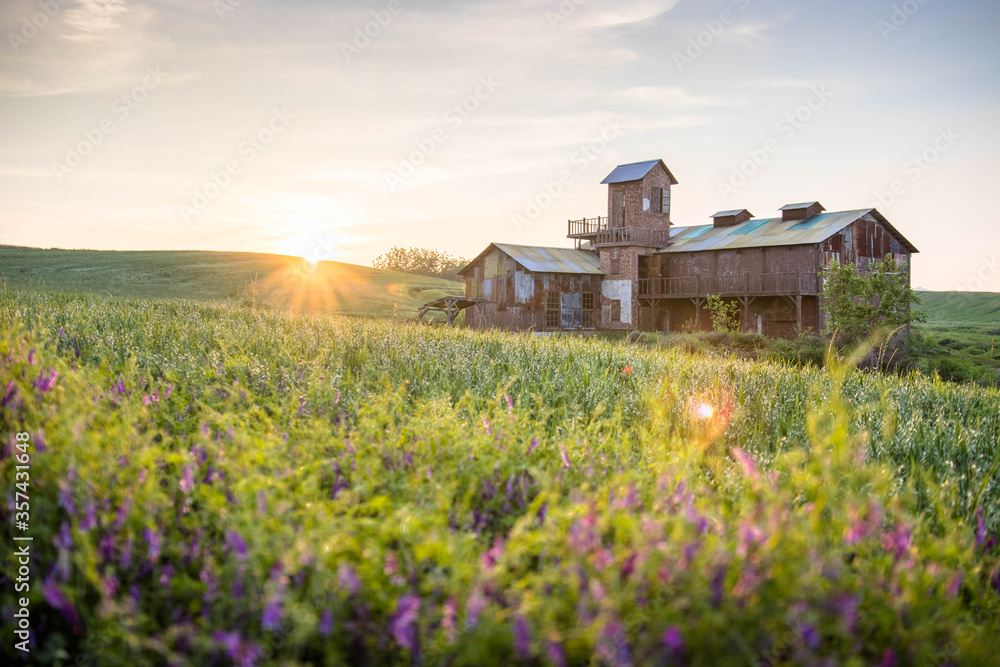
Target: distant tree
x=725 y=315
x=422 y=261
x=868 y=306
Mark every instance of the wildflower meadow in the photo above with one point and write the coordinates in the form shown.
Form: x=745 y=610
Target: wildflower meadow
x=223 y=485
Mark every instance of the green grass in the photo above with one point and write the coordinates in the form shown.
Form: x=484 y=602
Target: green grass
x=279 y=281
x=219 y=483
x=961 y=308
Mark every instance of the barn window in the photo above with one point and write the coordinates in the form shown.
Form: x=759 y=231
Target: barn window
x=553 y=316
x=616 y=266
x=665 y=201
x=588 y=310
x=616 y=311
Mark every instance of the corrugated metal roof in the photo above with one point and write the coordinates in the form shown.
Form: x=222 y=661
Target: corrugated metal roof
x=768 y=232
x=726 y=214
x=635 y=171
x=552 y=260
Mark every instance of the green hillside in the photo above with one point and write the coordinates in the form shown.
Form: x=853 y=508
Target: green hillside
x=275 y=280
x=961 y=307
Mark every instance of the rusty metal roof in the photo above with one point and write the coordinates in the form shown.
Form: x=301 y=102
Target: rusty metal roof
x=764 y=232
x=635 y=171
x=546 y=260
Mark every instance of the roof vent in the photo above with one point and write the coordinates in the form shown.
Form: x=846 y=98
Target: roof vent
x=801 y=211
x=731 y=218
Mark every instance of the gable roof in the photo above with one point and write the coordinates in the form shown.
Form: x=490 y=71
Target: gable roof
x=766 y=232
x=635 y=171
x=796 y=207
x=539 y=259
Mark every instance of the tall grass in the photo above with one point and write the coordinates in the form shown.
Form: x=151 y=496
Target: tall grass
x=240 y=485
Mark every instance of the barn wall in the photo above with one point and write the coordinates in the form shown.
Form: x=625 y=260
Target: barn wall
x=516 y=298
x=862 y=243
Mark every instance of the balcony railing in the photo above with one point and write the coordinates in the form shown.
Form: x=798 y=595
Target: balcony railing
x=598 y=231
x=587 y=227
x=749 y=284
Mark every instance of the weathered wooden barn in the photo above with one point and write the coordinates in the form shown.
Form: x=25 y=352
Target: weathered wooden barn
x=633 y=269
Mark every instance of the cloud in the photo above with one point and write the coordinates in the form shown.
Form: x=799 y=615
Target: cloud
x=81 y=46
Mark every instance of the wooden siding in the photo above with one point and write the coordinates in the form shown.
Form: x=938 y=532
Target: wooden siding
x=515 y=298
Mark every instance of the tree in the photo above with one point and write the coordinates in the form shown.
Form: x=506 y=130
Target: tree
x=422 y=261
x=725 y=315
x=868 y=306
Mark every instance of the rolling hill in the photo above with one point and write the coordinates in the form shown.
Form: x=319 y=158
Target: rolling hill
x=274 y=280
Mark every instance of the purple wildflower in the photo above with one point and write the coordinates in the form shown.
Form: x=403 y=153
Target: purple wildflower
x=473 y=608
x=262 y=502
x=61 y=332
x=236 y=544
x=522 y=640
x=811 y=637
x=326 y=623
x=533 y=446
x=166 y=575
x=31 y=357
x=122 y=513
x=403 y=623
x=64 y=540
x=126 y=559
x=89 y=520
x=486 y=425
x=58 y=600
x=613 y=645
x=510 y=403
x=980 y=527
x=671 y=640
x=542 y=511
x=448 y=614
x=718 y=580
x=888 y=659
x=347 y=578
x=187 y=481
x=955 y=585
x=556 y=654
x=153 y=542
x=565 y=458
x=119 y=387
x=66 y=498
x=45 y=383
x=897 y=541
x=747 y=463
x=169 y=390
x=272 y=615
x=9 y=393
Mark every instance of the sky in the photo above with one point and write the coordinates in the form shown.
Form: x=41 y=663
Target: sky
x=336 y=130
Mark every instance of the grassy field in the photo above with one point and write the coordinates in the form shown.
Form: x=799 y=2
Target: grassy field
x=217 y=483
x=274 y=280
x=961 y=338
